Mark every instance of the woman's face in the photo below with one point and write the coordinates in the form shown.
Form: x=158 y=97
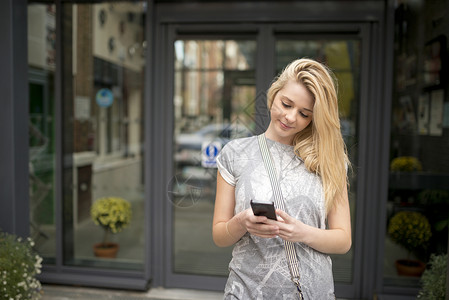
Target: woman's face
x=291 y=112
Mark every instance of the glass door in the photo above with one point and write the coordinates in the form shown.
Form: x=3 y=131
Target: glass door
x=219 y=88
x=214 y=92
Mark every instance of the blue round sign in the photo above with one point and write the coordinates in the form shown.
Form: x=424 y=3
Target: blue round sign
x=211 y=151
x=104 y=97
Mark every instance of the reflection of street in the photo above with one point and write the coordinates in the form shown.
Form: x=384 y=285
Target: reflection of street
x=194 y=249
x=184 y=191
x=188 y=145
x=192 y=193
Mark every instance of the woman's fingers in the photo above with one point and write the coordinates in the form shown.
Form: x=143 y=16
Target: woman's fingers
x=260 y=228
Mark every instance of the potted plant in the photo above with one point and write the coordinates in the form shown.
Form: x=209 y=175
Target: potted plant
x=113 y=214
x=405 y=164
x=19 y=265
x=434 y=278
x=411 y=230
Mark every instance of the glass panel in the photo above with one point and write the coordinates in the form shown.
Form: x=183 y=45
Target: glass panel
x=239 y=55
x=104 y=52
x=418 y=197
x=41 y=62
x=212 y=104
x=343 y=57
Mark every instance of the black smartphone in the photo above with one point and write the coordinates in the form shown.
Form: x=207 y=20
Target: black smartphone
x=263 y=209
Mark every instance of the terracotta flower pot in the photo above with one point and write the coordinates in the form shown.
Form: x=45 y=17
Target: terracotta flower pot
x=108 y=250
x=408 y=267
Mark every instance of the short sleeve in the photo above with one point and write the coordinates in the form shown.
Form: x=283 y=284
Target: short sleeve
x=225 y=162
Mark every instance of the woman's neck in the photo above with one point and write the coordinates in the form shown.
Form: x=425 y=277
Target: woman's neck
x=271 y=134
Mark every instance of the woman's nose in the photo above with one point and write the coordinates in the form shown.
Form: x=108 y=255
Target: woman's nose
x=290 y=115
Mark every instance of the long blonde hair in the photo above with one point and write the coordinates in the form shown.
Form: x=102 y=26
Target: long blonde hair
x=320 y=145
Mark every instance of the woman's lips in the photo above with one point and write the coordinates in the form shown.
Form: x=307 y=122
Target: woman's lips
x=284 y=126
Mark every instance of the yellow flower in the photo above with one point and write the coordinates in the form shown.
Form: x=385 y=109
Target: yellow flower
x=405 y=164
x=409 y=229
x=111 y=213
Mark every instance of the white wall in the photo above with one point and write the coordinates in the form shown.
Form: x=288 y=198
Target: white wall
x=41 y=36
x=131 y=37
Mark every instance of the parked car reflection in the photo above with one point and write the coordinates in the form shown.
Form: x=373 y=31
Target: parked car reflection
x=188 y=145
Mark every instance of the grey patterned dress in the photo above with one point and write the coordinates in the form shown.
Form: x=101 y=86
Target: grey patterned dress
x=258 y=269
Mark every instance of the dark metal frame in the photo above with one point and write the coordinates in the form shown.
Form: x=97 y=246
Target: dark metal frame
x=14 y=211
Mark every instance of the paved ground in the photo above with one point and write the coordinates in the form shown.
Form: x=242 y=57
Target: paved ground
x=58 y=292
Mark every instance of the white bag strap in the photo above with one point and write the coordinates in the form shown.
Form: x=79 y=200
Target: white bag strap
x=290 y=251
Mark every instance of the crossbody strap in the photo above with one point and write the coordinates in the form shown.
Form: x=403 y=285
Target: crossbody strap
x=290 y=251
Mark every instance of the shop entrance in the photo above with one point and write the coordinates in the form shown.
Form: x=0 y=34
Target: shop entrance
x=217 y=92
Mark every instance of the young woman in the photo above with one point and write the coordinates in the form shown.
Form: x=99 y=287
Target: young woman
x=311 y=163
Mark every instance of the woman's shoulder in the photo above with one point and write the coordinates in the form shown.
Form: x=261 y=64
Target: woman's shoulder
x=239 y=144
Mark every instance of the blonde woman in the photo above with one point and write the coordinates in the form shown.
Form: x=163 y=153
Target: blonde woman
x=310 y=160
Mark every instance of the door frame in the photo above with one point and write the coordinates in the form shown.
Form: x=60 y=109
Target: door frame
x=171 y=25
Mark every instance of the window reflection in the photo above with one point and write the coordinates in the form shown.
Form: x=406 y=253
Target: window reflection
x=418 y=194
x=213 y=103
x=240 y=55
x=103 y=128
x=41 y=62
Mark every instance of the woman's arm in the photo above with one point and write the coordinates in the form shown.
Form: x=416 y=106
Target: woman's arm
x=227 y=229
x=337 y=239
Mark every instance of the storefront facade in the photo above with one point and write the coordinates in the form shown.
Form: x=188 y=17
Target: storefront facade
x=134 y=99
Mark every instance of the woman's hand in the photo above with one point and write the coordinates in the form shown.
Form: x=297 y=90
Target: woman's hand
x=290 y=229
x=336 y=239
x=228 y=228
x=257 y=225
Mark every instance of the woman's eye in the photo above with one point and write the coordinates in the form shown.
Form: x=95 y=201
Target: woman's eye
x=285 y=105
x=303 y=115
